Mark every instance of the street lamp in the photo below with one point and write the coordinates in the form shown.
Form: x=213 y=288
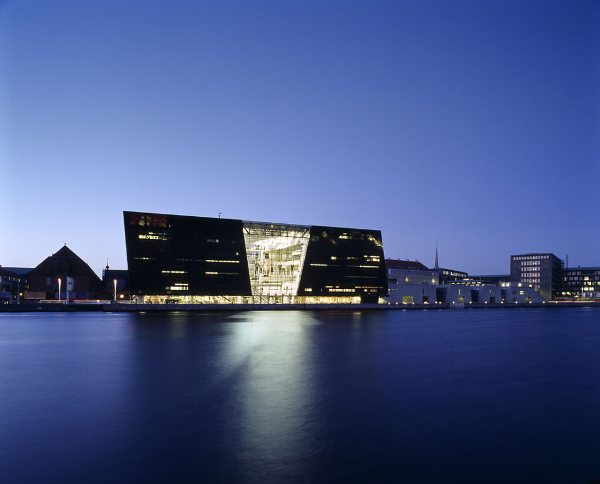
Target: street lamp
x=59 y=289
x=115 y=282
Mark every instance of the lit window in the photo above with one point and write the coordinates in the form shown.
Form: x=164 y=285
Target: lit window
x=179 y=287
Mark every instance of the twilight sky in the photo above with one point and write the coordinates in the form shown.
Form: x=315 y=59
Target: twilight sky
x=473 y=122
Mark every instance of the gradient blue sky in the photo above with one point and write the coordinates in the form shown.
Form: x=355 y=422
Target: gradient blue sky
x=475 y=122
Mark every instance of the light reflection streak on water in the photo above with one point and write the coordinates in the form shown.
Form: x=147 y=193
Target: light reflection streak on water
x=276 y=397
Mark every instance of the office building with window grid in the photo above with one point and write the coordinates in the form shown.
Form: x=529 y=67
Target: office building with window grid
x=543 y=271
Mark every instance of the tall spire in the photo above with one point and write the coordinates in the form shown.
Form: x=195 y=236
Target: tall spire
x=437 y=265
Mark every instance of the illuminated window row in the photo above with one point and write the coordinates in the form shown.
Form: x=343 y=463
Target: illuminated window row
x=370 y=258
x=154 y=237
x=173 y=272
x=531 y=257
x=214 y=273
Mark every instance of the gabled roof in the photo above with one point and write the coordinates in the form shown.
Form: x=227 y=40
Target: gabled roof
x=69 y=263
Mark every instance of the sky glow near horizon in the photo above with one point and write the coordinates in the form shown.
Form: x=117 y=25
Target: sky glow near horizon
x=475 y=123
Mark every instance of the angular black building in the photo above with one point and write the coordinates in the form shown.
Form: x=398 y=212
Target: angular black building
x=200 y=259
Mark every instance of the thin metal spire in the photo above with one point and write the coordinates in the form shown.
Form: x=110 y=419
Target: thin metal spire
x=437 y=265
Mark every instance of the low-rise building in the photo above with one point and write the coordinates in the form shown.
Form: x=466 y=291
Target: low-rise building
x=447 y=275
x=468 y=294
x=409 y=272
x=116 y=282
x=496 y=279
x=463 y=294
x=520 y=293
x=442 y=294
x=581 y=283
x=13 y=283
x=56 y=272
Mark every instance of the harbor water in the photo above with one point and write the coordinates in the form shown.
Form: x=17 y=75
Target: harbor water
x=469 y=396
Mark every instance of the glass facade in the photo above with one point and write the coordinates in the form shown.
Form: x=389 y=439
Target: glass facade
x=276 y=254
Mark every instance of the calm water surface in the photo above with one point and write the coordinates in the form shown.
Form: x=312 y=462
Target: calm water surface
x=350 y=397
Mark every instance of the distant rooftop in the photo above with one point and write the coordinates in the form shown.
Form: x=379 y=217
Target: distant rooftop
x=405 y=264
x=490 y=276
x=22 y=271
x=535 y=253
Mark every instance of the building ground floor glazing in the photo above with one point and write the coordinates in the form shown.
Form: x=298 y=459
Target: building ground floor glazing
x=264 y=299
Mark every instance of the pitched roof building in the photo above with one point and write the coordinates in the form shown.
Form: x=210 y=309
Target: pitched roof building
x=44 y=279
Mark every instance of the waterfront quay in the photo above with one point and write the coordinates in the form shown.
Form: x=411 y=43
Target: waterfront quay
x=127 y=307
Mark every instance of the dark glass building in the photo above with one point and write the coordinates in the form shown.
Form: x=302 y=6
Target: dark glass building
x=198 y=259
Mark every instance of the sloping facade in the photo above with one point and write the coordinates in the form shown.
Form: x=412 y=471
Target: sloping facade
x=180 y=256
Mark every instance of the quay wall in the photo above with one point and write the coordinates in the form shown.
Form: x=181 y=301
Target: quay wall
x=327 y=307
x=125 y=307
